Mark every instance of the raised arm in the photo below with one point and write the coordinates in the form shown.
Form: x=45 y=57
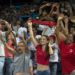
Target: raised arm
x=50 y=49
x=10 y=49
x=59 y=34
x=7 y=46
x=55 y=9
x=57 y=31
x=31 y=33
x=65 y=28
x=8 y=25
x=40 y=9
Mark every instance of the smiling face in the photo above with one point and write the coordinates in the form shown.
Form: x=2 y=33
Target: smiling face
x=43 y=40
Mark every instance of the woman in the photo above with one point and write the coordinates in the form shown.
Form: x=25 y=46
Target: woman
x=22 y=65
x=9 y=54
x=42 y=54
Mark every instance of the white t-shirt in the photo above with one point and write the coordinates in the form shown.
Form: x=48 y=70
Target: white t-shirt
x=2 y=51
x=21 y=30
x=54 y=56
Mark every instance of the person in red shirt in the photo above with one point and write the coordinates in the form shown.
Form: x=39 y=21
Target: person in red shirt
x=67 y=46
x=43 y=50
x=9 y=55
x=3 y=24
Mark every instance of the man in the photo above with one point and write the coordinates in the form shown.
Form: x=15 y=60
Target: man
x=67 y=46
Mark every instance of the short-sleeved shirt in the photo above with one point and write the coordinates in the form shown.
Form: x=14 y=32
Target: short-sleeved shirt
x=22 y=63
x=42 y=56
x=67 y=57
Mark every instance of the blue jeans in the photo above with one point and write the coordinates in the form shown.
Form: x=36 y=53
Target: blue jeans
x=46 y=72
x=7 y=66
x=2 y=60
x=53 y=68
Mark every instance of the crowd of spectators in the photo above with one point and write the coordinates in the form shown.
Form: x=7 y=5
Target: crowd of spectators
x=37 y=39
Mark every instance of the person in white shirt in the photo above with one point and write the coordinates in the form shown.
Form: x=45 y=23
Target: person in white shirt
x=54 y=57
x=3 y=23
x=21 y=32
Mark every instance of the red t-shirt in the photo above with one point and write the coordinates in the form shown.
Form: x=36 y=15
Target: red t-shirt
x=42 y=56
x=8 y=53
x=67 y=57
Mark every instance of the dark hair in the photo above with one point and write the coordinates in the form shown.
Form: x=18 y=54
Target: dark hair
x=46 y=37
x=7 y=34
x=47 y=47
x=47 y=50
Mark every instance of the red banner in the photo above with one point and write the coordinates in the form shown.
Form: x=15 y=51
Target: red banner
x=47 y=23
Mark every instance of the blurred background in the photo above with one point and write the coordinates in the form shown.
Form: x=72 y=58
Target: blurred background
x=21 y=2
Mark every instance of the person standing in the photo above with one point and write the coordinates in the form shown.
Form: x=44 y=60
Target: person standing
x=3 y=23
x=43 y=51
x=67 y=46
x=54 y=59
